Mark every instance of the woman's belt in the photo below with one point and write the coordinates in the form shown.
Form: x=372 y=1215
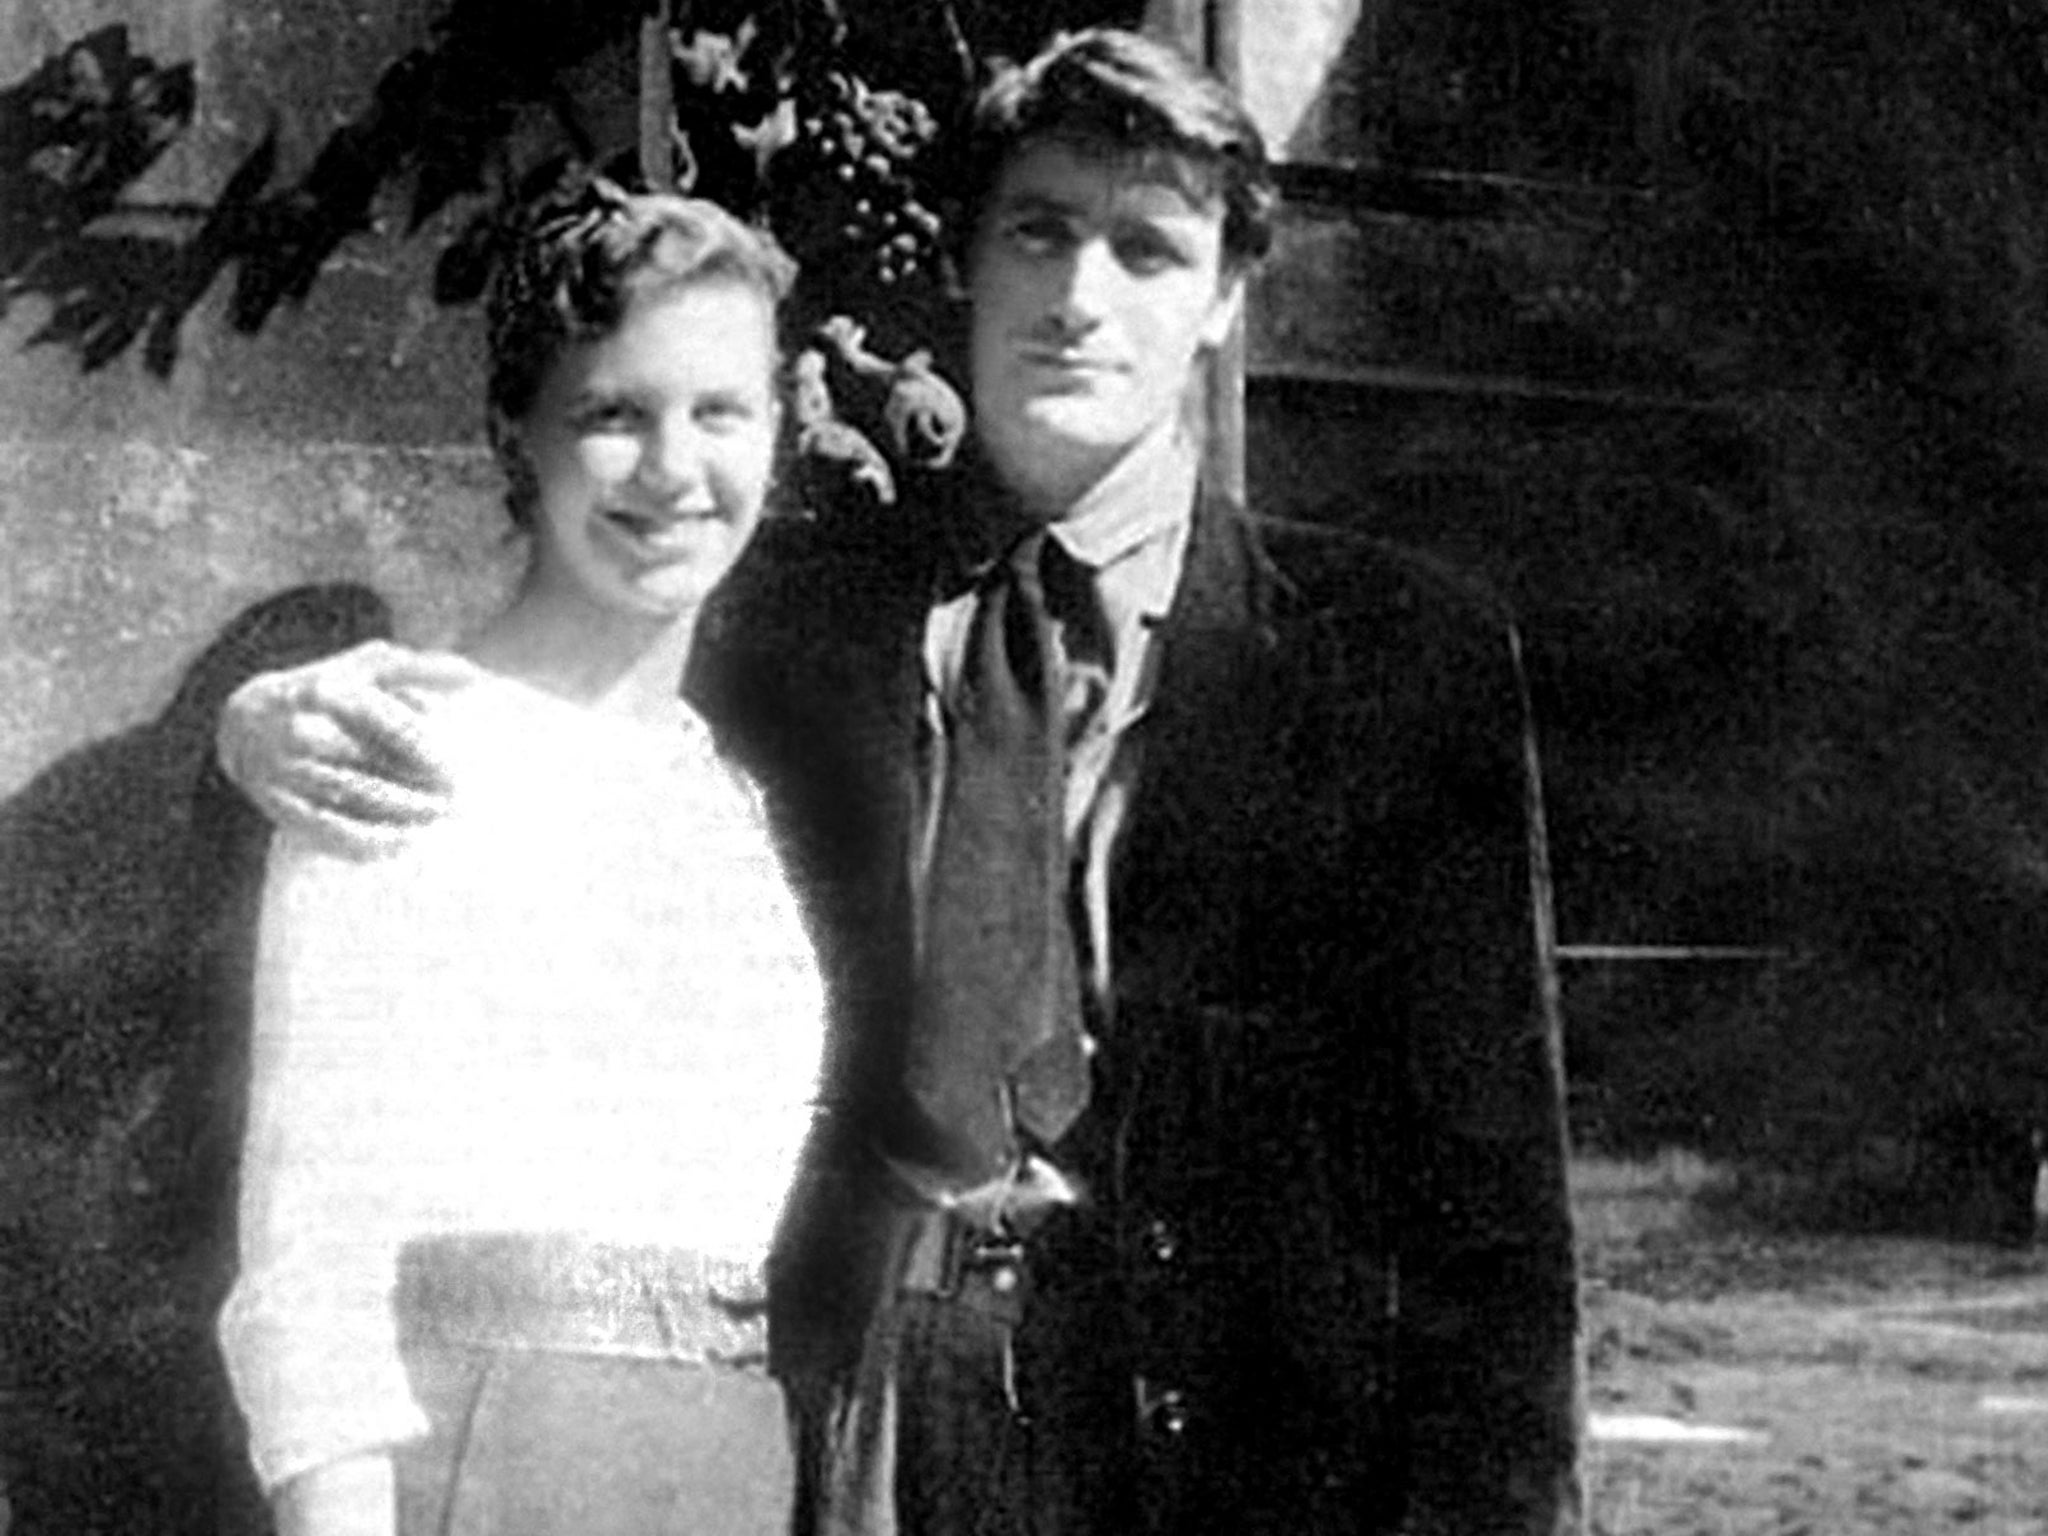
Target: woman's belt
x=568 y=1293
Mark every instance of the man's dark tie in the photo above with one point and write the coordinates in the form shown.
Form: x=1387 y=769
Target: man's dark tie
x=997 y=1055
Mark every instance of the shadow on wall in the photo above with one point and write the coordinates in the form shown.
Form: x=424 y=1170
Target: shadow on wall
x=74 y=135
x=89 y=121
x=129 y=873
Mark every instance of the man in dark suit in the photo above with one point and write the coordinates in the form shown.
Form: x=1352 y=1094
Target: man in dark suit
x=1196 y=1157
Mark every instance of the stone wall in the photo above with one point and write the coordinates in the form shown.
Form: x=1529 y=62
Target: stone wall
x=342 y=443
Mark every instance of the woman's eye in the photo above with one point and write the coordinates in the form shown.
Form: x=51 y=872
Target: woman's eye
x=724 y=414
x=607 y=416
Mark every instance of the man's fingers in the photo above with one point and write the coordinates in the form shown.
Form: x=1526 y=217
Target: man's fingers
x=406 y=673
x=335 y=834
x=364 y=726
x=368 y=799
x=427 y=672
x=342 y=749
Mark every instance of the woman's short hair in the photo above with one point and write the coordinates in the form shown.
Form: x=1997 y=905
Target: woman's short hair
x=577 y=256
x=571 y=261
x=1112 y=90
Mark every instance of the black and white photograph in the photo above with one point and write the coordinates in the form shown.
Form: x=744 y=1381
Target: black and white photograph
x=950 y=768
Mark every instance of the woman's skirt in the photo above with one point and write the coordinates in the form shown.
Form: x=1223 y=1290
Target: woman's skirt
x=577 y=1390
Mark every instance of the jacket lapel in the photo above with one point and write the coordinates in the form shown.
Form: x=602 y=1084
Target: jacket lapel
x=1201 y=769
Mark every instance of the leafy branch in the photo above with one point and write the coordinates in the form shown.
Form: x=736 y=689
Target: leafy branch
x=761 y=107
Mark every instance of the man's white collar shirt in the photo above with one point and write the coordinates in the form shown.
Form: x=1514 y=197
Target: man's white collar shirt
x=1130 y=536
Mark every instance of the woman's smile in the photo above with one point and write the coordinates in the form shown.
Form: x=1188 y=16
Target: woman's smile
x=672 y=534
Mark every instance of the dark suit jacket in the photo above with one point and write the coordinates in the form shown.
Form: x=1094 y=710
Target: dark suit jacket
x=1327 y=1147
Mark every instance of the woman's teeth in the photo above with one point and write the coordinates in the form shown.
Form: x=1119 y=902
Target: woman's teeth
x=642 y=526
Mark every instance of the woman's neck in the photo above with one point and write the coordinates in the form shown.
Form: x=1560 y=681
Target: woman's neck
x=611 y=663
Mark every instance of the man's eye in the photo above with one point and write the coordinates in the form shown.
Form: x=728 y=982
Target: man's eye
x=1147 y=253
x=1040 y=236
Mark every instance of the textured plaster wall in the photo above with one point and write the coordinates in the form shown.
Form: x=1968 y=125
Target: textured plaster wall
x=343 y=443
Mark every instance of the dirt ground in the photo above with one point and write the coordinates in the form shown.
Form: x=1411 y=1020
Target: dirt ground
x=1859 y=1384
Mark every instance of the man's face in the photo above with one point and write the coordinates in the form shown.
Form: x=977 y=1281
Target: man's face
x=1097 y=280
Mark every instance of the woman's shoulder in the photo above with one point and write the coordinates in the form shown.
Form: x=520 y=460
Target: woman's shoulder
x=501 y=731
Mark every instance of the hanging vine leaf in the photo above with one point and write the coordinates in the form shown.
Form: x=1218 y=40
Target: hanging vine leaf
x=77 y=132
x=764 y=116
x=765 y=108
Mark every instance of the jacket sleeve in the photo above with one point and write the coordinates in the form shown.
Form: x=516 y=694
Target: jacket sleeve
x=1487 y=1353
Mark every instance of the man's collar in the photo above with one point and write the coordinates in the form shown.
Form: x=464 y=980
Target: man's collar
x=1148 y=492
x=1146 y=499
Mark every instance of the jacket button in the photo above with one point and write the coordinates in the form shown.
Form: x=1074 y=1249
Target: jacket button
x=1169 y=1412
x=1161 y=1242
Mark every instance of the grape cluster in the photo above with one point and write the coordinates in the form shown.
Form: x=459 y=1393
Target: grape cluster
x=856 y=153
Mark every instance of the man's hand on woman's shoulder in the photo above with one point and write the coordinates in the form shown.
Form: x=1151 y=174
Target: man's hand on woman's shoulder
x=339 y=750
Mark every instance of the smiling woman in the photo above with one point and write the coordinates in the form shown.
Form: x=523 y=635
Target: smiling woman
x=526 y=1095
x=648 y=453
x=637 y=426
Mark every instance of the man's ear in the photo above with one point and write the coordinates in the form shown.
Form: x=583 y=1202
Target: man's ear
x=1223 y=313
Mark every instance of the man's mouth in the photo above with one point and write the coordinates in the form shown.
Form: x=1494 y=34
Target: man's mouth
x=1061 y=360
x=1068 y=372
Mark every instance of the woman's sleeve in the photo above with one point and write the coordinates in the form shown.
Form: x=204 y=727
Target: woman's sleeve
x=307 y=1331
x=795 y=992
x=792 y=1007
x=776 y=1005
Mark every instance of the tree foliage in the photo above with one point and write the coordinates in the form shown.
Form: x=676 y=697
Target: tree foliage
x=828 y=123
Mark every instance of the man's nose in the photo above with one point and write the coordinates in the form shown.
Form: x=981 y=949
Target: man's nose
x=1087 y=285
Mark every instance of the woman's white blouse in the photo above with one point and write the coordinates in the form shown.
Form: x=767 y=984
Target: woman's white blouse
x=583 y=1002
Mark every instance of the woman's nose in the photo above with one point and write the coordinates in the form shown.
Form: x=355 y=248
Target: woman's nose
x=672 y=458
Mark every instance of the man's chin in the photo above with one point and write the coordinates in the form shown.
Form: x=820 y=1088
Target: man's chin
x=1071 y=424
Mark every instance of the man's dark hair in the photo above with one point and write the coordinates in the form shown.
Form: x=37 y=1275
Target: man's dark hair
x=1105 y=89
